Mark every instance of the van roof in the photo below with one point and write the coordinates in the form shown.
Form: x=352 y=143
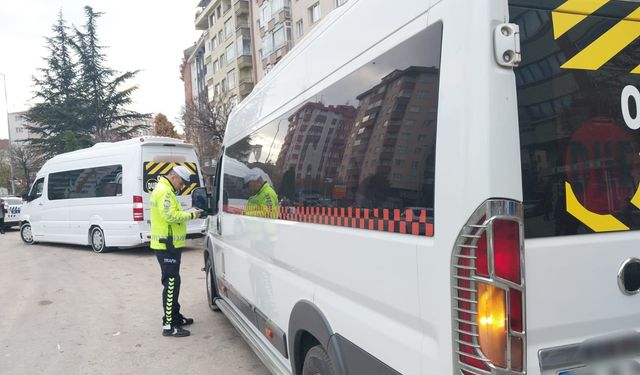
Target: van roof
x=121 y=146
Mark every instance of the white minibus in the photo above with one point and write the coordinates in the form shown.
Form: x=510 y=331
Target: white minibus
x=457 y=193
x=99 y=196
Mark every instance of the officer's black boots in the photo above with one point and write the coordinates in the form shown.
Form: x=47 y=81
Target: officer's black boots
x=175 y=331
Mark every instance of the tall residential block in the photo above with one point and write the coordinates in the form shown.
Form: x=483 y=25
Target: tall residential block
x=279 y=24
x=226 y=42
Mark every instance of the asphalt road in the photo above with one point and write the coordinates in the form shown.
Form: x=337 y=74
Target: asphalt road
x=67 y=310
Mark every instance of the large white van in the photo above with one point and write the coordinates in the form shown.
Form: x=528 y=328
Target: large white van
x=457 y=188
x=99 y=196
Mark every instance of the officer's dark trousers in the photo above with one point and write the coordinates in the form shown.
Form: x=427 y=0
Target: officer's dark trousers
x=170 y=267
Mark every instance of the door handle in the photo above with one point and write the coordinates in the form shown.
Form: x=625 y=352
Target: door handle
x=219 y=224
x=40 y=204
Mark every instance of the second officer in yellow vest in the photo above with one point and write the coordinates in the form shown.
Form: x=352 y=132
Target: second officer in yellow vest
x=168 y=236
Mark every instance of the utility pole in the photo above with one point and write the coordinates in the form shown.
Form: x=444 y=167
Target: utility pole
x=6 y=100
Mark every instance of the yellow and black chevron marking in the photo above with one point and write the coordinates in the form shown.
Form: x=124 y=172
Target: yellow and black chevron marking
x=608 y=45
x=161 y=168
x=597 y=222
x=168 y=311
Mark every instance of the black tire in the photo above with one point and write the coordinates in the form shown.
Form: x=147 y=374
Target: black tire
x=26 y=234
x=212 y=287
x=317 y=362
x=97 y=240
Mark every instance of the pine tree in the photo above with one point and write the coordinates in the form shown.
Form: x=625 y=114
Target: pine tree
x=105 y=104
x=58 y=112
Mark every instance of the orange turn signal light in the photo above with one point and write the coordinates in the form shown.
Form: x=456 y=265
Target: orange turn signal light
x=492 y=323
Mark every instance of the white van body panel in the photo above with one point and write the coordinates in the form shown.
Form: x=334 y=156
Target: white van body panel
x=70 y=220
x=571 y=294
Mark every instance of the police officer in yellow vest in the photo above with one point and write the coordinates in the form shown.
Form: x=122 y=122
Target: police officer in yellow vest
x=263 y=201
x=168 y=235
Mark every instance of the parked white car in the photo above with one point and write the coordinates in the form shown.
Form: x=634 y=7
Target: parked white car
x=12 y=207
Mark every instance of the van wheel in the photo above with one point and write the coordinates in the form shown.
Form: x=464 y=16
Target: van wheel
x=212 y=289
x=97 y=240
x=26 y=234
x=317 y=362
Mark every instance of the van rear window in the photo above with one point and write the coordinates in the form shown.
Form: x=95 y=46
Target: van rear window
x=578 y=96
x=153 y=170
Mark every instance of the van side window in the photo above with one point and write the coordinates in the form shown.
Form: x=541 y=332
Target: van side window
x=36 y=189
x=86 y=183
x=361 y=153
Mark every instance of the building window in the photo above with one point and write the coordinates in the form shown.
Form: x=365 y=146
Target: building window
x=267 y=45
x=265 y=13
x=215 y=66
x=340 y=2
x=244 y=45
x=231 y=79
x=314 y=13
x=220 y=37
x=230 y=53
x=228 y=27
x=214 y=43
x=217 y=90
x=278 y=38
x=299 y=29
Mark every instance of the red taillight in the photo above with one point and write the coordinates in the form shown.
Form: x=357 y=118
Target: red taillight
x=515 y=310
x=489 y=291
x=482 y=266
x=138 y=209
x=506 y=250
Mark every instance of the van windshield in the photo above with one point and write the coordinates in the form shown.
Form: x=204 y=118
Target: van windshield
x=153 y=170
x=578 y=96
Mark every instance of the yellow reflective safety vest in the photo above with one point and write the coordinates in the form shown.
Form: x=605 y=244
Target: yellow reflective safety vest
x=167 y=216
x=264 y=203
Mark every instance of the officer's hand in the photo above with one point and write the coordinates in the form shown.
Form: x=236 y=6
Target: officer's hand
x=199 y=213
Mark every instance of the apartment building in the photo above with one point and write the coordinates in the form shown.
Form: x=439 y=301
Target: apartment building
x=18 y=131
x=193 y=72
x=280 y=24
x=226 y=40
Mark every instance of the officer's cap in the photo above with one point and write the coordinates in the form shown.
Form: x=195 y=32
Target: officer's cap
x=183 y=172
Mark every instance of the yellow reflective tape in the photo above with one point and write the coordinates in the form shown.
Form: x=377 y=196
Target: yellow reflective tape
x=190 y=167
x=607 y=46
x=188 y=190
x=636 y=70
x=168 y=168
x=155 y=170
x=571 y=13
x=148 y=165
x=636 y=197
x=597 y=222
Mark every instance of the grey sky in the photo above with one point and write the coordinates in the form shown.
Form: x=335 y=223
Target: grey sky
x=149 y=36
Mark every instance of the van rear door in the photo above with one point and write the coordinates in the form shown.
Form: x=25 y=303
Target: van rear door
x=157 y=161
x=578 y=97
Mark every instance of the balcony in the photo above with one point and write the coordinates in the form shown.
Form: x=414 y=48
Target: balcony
x=245 y=88
x=241 y=7
x=245 y=61
x=202 y=14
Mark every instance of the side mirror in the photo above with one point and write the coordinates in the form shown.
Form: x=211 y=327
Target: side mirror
x=26 y=197
x=200 y=199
